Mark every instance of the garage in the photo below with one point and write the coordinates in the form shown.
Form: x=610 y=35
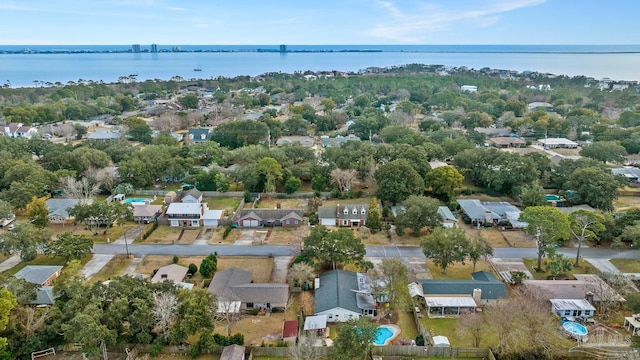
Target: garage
x=250 y=223
x=328 y=222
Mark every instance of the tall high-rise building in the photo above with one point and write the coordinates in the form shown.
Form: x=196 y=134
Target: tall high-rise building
x=154 y=48
x=135 y=48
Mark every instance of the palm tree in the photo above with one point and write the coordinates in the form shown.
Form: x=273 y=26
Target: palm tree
x=558 y=265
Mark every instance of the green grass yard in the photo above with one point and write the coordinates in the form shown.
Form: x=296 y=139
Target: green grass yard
x=585 y=268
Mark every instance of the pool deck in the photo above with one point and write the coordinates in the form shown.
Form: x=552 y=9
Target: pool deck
x=396 y=331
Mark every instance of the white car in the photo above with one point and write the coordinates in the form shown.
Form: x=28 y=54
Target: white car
x=11 y=227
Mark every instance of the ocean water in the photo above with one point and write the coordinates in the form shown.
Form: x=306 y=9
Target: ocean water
x=618 y=62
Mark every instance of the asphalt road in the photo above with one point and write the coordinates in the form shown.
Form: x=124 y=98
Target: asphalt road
x=372 y=251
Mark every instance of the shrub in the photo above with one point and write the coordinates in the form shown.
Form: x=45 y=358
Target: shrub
x=175 y=259
x=155 y=350
x=193 y=268
x=209 y=265
x=419 y=340
x=226 y=232
x=150 y=230
x=247 y=196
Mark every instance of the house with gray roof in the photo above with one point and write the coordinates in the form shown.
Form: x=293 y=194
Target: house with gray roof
x=337 y=141
x=197 y=135
x=351 y=215
x=498 y=213
x=449 y=220
x=192 y=196
x=233 y=352
x=631 y=173
x=343 y=295
x=269 y=217
x=43 y=275
x=105 y=135
x=233 y=285
x=59 y=209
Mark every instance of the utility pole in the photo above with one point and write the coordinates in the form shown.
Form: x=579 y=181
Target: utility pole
x=126 y=246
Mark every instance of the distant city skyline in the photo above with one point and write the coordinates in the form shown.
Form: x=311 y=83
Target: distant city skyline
x=339 y=22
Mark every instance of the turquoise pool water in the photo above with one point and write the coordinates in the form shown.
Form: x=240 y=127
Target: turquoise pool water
x=552 y=197
x=382 y=335
x=574 y=328
x=135 y=200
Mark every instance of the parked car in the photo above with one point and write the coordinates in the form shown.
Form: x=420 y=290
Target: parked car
x=11 y=227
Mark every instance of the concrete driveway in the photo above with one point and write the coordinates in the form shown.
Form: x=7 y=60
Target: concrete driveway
x=97 y=262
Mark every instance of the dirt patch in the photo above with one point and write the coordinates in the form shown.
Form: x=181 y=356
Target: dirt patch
x=272 y=203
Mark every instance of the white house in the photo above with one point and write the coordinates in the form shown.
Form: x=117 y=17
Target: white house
x=185 y=214
x=212 y=218
x=469 y=88
x=553 y=143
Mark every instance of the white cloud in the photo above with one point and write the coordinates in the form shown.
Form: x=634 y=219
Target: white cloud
x=416 y=25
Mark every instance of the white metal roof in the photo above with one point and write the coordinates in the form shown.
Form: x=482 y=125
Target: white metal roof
x=572 y=304
x=315 y=322
x=183 y=208
x=450 y=301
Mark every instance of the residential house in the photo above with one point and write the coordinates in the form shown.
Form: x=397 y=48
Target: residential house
x=469 y=88
x=306 y=141
x=44 y=276
x=233 y=352
x=146 y=213
x=197 y=135
x=539 y=105
x=570 y=308
x=18 y=130
x=59 y=210
x=185 y=214
x=499 y=213
x=173 y=273
x=350 y=215
x=631 y=173
x=585 y=286
x=455 y=297
x=105 y=135
x=507 y=142
x=192 y=196
x=235 y=285
x=449 y=220
x=290 y=331
x=493 y=132
x=343 y=295
x=337 y=141
x=269 y=217
x=553 y=143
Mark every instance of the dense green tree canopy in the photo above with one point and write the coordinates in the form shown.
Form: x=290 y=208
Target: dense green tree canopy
x=548 y=225
x=397 y=180
x=333 y=247
x=445 y=246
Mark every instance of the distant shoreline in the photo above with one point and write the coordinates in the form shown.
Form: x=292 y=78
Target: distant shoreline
x=53 y=52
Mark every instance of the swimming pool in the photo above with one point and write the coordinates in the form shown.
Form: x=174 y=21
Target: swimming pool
x=385 y=333
x=136 y=200
x=552 y=197
x=574 y=328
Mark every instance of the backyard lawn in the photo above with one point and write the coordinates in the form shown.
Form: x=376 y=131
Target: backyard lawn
x=228 y=204
x=585 y=268
x=447 y=327
x=627 y=265
x=272 y=203
x=624 y=203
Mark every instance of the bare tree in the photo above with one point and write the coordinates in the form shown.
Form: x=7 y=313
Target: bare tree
x=306 y=348
x=107 y=177
x=301 y=274
x=79 y=189
x=472 y=325
x=524 y=325
x=228 y=309
x=343 y=178
x=164 y=312
x=607 y=289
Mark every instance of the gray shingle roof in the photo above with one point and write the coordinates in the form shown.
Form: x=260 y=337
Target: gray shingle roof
x=37 y=274
x=325 y=212
x=232 y=352
x=336 y=290
x=261 y=293
x=492 y=288
x=44 y=296
x=227 y=278
x=270 y=214
x=60 y=207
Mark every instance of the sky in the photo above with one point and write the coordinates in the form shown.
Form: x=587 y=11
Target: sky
x=317 y=22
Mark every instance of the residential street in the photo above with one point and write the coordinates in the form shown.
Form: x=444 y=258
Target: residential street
x=372 y=251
